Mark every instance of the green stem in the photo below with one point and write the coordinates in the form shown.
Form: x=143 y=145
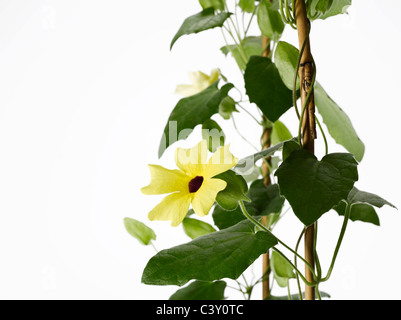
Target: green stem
x=293 y=9
x=340 y=239
x=294 y=90
x=287 y=18
x=318 y=292
x=239 y=133
x=260 y=225
x=317 y=261
x=290 y=18
x=239 y=43
x=326 y=145
x=154 y=247
x=229 y=46
x=296 y=262
x=250 y=114
x=240 y=289
x=305 y=105
x=289 y=292
x=310 y=284
x=249 y=23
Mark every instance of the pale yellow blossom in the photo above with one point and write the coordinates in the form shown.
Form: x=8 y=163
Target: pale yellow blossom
x=192 y=184
x=200 y=81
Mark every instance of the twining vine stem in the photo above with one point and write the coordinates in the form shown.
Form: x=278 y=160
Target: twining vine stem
x=317 y=277
x=260 y=225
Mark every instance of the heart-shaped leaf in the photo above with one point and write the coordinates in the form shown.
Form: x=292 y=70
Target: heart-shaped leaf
x=313 y=187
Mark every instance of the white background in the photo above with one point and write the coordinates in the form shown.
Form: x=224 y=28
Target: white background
x=86 y=87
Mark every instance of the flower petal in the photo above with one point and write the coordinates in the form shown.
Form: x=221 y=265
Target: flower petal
x=221 y=161
x=214 y=76
x=174 y=207
x=166 y=181
x=192 y=161
x=186 y=90
x=198 y=77
x=206 y=196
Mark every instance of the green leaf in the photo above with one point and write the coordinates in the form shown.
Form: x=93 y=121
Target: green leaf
x=282 y=270
x=361 y=206
x=246 y=164
x=323 y=6
x=265 y=200
x=247 y=5
x=275 y=5
x=199 y=22
x=227 y=107
x=201 y=290
x=195 y=228
x=265 y=88
x=140 y=231
x=270 y=23
x=359 y=212
x=216 y=4
x=222 y=254
x=192 y=111
x=253 y=175
x=214 y=135
x=224 y=219
x=313 y=187
x=289 y=147
x=280 y=133
x=338 y=7
x=235 y=191
x=286 y=59
x=317 y=8
x=338 y=123
x=357 y=196
x=252 y=46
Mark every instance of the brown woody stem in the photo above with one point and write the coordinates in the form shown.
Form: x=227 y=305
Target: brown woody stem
x=266 y=176
x=306 y=73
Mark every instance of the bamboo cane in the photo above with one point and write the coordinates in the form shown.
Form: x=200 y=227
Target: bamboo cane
x=267 y=181
x=306 y=73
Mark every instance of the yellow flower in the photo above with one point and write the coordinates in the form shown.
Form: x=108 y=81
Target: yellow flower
x=193 y=184
x=200 y=82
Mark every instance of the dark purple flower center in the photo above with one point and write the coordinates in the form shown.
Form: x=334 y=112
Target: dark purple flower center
x=195 y=184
